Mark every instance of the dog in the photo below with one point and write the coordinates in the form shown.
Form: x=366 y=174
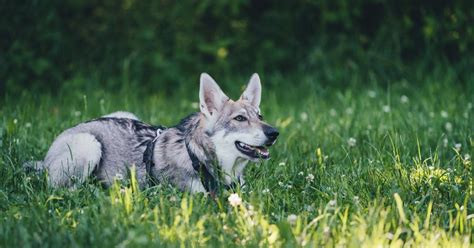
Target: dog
x=208 y=150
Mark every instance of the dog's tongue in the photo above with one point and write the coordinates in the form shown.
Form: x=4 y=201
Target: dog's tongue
x=262 y=150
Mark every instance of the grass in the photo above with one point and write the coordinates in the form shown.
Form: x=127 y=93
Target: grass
x=365 y=165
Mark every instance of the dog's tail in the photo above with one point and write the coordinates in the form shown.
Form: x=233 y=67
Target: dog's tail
x=33 y=166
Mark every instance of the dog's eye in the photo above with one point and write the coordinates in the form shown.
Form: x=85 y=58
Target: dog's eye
x=260 y=117
x=240 y=118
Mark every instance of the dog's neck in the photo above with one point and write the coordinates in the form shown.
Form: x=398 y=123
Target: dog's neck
x=195 y=138
x=208 y=143
x=196 y=141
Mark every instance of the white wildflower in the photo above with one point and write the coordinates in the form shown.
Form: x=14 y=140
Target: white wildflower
x=118 y=176
x=266 y=191
x=389 y=235
x=448 y=126
x=467 y=157
x=77 y=113
x=234 y=200
x=292 y=219
x=352 y=142
x=457 y=146
x=349 y=111
x=386 y=108
x=332 y=203
x=300 y=173
x=15 y=121
x=281 y=184
x=404 y=99
x=445 y=142
x=372 y=94
x=309 y=208
x=332 y=112
x=310 y=177
x=304 y=116
x=194 y=105
x=251 y=211
x=444 y=114
x=28 y=125
x=281 y=164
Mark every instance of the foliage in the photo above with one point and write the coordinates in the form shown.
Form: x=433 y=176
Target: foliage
x=153 y=44
x=356 y=167
x=373 y=100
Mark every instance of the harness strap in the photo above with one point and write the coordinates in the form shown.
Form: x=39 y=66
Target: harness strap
x=150 y=147
x=210 y=183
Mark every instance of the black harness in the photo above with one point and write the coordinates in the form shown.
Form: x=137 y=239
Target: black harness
x=210 y=183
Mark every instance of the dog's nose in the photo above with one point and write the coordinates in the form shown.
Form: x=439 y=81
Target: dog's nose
x=271 y=132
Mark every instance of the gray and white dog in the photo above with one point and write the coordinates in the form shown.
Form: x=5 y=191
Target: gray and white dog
x=206 y=151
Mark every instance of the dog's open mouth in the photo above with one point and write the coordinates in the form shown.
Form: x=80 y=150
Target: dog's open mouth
x=253 y=151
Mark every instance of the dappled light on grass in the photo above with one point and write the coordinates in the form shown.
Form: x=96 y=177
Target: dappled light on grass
x=345 y=172
x=240 y=223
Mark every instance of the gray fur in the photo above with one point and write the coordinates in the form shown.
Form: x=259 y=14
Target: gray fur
x=122 y=143
x=109 y=146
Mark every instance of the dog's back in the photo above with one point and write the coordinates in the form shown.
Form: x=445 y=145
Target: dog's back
x=105 y=147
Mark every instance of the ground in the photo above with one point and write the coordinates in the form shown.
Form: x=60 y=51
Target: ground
x=362 y=164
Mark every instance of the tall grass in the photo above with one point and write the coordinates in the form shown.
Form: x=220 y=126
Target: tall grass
x=355 y=166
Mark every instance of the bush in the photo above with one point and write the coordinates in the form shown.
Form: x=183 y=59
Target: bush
x=44 y=43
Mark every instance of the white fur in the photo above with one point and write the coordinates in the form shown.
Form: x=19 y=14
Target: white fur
x=122 y=114
x=195 y=186
x=70 y=157
x=231 y=160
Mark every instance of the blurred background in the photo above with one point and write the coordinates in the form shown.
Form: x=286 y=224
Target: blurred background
x=164 y=45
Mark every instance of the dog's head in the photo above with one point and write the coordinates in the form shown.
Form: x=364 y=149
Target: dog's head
x=236 y=128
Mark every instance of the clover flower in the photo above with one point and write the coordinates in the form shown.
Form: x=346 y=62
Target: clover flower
x=351 y=142
x=234 y=200
x=292 y=219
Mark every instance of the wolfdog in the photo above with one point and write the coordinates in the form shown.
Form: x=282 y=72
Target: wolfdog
x=208 y=150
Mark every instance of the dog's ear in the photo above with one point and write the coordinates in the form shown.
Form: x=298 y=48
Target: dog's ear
x=211 y=97
x=253 y=92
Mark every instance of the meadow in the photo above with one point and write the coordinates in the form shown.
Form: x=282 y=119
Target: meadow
x=360 y=165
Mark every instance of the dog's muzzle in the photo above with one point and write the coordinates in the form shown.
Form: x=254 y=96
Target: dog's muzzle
x=271 y=133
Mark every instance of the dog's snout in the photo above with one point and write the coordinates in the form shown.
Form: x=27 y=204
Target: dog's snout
x=271 y=132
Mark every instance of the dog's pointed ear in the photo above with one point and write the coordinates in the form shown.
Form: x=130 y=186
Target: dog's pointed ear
x=253 y=92
x=211 y=97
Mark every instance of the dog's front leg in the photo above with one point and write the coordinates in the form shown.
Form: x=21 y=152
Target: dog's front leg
x=195 y=186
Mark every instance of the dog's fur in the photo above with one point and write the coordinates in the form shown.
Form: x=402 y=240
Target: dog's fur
x=108 y=146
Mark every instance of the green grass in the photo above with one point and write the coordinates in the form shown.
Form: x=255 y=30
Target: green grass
x=363 y=165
